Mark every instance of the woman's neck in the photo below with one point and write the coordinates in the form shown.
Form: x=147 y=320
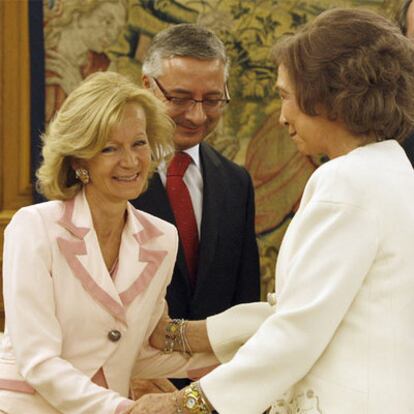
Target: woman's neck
x=108 y=216
x=343 y=142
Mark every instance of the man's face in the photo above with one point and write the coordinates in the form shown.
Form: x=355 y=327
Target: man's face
x=186 y=77
x=410 y=21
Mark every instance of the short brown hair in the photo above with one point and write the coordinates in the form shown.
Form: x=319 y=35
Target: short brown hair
x=358 y=67
x=82 y=127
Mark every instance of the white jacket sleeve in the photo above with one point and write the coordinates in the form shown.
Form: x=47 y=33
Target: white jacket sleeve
x=35 y=331
x=229 y=330
x=321 y=280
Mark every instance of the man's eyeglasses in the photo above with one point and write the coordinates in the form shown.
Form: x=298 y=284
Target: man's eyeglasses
x=184 y=104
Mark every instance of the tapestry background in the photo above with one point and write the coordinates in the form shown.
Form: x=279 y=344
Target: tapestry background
x=84 y=36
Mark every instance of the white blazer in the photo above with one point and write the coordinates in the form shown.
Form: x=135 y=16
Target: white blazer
x=341 y=338
x=68 y=322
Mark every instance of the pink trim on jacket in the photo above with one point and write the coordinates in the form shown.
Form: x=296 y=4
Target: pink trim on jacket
x=16 y=385
x=70 y=249
x=66 y=220
x=148 y=232
x=153 y=259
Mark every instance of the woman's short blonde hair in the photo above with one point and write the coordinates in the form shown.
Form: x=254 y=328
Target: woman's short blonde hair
x=82 y=127
x=358 y=67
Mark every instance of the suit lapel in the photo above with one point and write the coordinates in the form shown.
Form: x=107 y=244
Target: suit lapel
x=213 y=195
x=83 y=255
x=155 y=201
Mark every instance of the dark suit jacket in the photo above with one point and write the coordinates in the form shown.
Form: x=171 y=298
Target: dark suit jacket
x=408 y=145
x=228 y=270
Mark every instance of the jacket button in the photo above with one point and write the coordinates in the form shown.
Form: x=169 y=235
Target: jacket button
x=114 y=335
x=271 y=299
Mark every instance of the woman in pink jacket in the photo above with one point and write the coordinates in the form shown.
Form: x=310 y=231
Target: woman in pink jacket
x=85 y=274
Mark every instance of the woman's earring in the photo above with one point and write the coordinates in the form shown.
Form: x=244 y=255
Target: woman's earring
x=82 y=175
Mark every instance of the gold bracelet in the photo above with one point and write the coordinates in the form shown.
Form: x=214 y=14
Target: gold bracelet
x=194 y=401
x=172 y=331
x=184 y=341
x=176 y=339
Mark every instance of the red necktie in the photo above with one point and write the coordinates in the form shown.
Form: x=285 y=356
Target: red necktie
x=182 y=207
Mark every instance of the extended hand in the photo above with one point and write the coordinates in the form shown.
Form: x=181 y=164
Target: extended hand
x=154 y=404
x=140 y=387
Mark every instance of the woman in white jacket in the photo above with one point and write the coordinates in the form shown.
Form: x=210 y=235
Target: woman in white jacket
x=85 y=274
x=340 y=338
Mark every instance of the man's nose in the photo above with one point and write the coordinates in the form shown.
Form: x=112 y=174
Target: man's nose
x=196 y=114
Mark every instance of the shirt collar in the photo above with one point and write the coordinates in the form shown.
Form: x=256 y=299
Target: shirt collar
x=194 y=153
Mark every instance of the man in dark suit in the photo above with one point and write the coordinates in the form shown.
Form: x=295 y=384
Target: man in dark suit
x=187 y=68
x=405 y=20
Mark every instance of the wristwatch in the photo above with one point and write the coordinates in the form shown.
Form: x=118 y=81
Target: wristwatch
x=193 y=400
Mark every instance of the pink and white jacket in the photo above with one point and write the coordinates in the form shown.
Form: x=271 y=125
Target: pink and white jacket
x=74 y=336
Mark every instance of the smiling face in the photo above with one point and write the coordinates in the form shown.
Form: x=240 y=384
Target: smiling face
x=120 y=171
x=186 y=77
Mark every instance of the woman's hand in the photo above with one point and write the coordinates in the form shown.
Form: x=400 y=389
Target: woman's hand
x=157 y=338
x=155 y=404
x=140 y=387
x=195 y=332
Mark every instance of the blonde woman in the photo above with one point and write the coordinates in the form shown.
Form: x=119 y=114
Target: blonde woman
x=85 y=274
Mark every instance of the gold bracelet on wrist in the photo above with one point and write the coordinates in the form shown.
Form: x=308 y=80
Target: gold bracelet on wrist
x=194 y=401
x=186 y=349
x=171 y=335
x=175 y=337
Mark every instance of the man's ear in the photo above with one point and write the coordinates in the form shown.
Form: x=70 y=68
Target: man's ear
x=146 y=82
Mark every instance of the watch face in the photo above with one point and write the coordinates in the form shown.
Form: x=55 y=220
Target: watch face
x=191 y=402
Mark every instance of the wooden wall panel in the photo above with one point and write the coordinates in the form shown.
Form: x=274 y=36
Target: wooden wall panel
x=15 y=186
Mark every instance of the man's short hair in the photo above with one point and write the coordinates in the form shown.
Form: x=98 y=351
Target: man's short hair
x=184 y=40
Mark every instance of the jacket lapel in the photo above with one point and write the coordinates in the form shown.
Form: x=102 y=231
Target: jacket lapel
x=137 y=256
x=83 y=255
x=155 y=201
x=213 y=196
